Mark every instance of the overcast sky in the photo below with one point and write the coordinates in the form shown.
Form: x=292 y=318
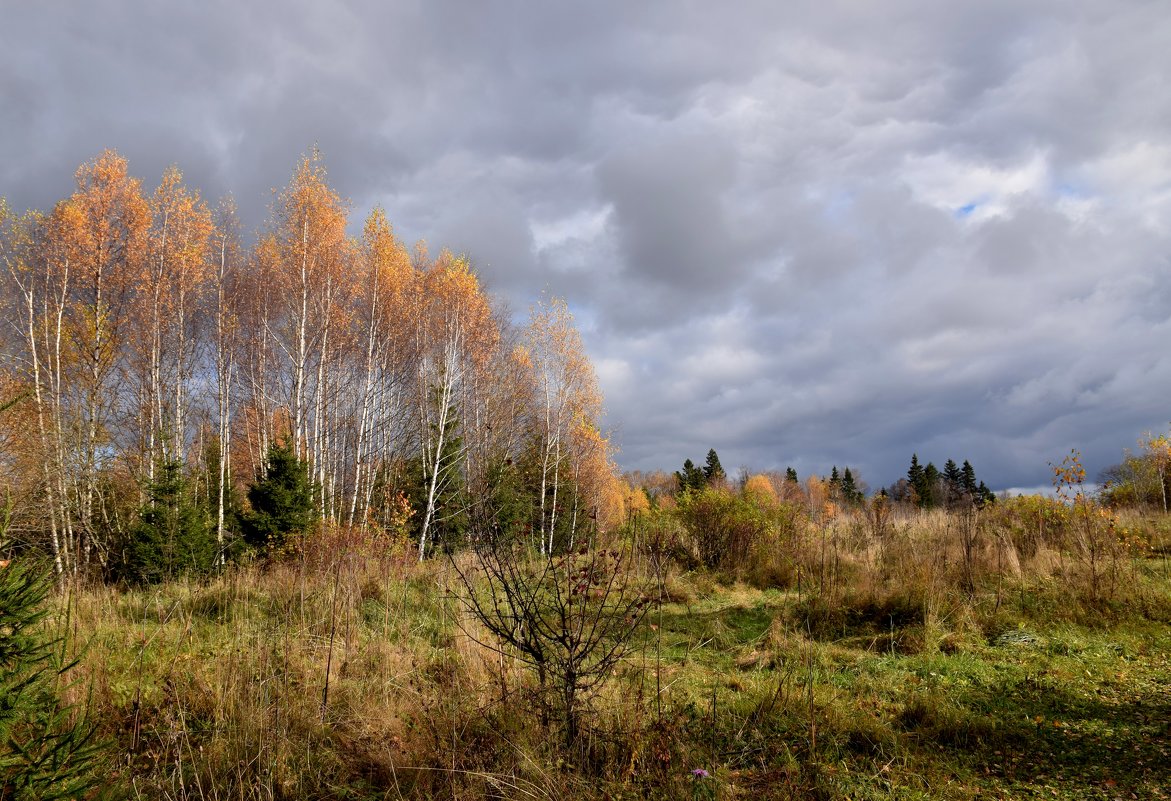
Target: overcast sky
x=803 y=233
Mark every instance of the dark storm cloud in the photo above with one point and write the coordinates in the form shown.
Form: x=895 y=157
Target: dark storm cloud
x=804 y=233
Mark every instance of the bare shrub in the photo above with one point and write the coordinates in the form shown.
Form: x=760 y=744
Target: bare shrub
x=569 y=617
x=1093 y=534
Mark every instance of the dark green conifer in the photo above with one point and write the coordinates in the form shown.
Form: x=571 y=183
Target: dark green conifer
x=507 y=506
x=953 y=481
x=917 y=480
x=174 y=536
x=690 y=478
x=791 y=475
x=713 y=472
x=850 y=491
x=929 y=498
x=47 y=752
x=968 y=480
x=282 y=501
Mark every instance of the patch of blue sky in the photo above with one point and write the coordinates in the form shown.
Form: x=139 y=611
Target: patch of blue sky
x=1070 y=190
x=838 y=205
x=585 y=318
x=966 y=210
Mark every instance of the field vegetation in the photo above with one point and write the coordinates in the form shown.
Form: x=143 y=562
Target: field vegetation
x=784 y=652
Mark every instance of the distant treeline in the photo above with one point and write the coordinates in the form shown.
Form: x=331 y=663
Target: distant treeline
x=1142 y=479
x=925 y=487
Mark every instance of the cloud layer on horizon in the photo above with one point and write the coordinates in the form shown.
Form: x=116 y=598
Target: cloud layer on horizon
x=809 y=234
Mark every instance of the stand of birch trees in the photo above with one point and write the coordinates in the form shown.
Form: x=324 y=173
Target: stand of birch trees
x=143 y=331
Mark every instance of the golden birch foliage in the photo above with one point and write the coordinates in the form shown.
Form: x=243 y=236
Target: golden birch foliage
x=311 y=218
x=93 y=246
x=817 y=493
x=503 y=395
x=180 y=243
x=522 y=357
x=107 y=221
x=567 y=404
x=307 y=245
x=309 y=255
x=565 y=376
x=596 y=475
x=453 y=297
x=86 y=264
x=170 y=292
x=1157 y=452
x=458 y=339
x=180 y=236
x=385 y=255
x=388 y=275
x=635 y=500
x=759 y=490
x=21 y=453
x=102 y=229
x=1157 y=448
x=125 y=305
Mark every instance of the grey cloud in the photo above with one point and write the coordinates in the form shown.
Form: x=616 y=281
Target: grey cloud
x=757 y=212
x=668 y=195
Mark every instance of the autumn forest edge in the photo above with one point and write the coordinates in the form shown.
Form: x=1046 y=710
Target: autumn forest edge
x=158 y=365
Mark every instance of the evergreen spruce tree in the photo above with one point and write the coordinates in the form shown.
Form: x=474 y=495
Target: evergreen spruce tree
x=850 y=492
x=282 y=501
x=953 y=481
x=713 y=472
x=918 y=482
x=835 y=484
x=47 y=752
x=449 y=523
x=690 y=478
x=507 y=504
x=985 y=496
x=791 y=475
x=930 y=497
x=173 y=537
x=969 y=479
x=696 y=478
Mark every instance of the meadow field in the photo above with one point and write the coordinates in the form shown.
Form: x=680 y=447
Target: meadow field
x=920 y=655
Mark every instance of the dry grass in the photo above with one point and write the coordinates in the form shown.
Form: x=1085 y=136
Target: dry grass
x=296 y=679
x=349 y=671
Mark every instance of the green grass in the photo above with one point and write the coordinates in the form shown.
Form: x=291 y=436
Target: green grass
x=1080 y=711
x=215 y=691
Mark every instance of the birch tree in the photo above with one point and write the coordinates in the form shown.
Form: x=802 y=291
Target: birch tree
x=170 y=292
x=386 y=275
x=455 y=336
x=308 y=242
x=229 y=290
x=101 y=232
x=38 y=266
x=567 y=392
